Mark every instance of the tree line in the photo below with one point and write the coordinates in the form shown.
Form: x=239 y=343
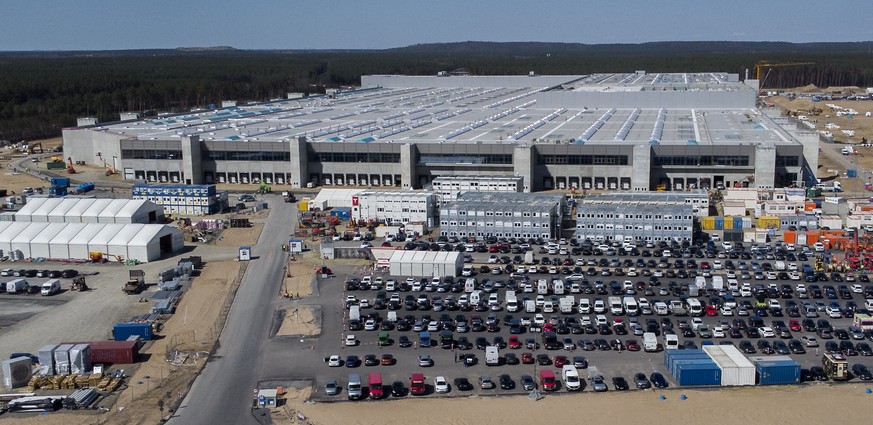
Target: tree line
x=42 y=92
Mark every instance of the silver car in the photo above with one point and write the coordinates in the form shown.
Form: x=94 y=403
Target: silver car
x=331 y=388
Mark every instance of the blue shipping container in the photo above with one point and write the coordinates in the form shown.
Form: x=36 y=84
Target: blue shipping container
x=123 y=331
x=694 y=357
x=672 y=355
x=719 y=223
x=738 y=222
x=678 y=364
x=777 y=372
x=60 y=181
x=689 y=374
x=344 y=213
x=85 y=187
x=851 y=172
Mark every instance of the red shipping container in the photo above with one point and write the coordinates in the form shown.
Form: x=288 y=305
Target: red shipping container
x=115 y=352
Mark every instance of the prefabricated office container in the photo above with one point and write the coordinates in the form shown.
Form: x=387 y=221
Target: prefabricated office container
x=776 y=370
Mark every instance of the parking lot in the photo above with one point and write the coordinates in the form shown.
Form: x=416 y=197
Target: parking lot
x=594 y=274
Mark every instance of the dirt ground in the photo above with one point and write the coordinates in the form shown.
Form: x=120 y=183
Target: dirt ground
x=298 y=321
x=298 y=275
x=239 y=236
x=752 y=405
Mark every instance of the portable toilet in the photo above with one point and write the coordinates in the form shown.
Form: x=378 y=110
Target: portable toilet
x=245 y=253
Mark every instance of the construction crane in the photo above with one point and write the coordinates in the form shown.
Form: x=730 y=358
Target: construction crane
x=765 y=64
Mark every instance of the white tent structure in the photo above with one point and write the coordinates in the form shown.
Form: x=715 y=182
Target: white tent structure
x=83 y=210
x=59 y=247
x=426 y=263
x=143 y=242
x=333 y=198
x=40 y=245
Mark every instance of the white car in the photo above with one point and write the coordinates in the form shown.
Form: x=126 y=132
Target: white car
x=441 y=385
x=6 y=272
x=370 y=325
x=858 y=289
x=767 y=332
x=539 y=320
x=726 y=311
x=717 y=332
x=334 y=361
x=351 y=341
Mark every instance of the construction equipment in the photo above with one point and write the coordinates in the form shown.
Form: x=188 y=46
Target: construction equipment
x=136 y=282
x=265 y=188
x=97 y=257
x=79 y=284
x=34 y=148
x=765 y=64
x=70 y=169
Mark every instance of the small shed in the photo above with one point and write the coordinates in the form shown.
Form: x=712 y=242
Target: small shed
x=267 y=398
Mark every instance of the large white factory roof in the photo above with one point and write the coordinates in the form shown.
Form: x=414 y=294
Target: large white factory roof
x=631 y=108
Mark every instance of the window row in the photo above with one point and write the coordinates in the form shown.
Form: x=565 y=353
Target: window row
x=465 y=159
x=703 y=160
x=246 y=156
x=356 y=157
x=150 y=154
x=584 y=159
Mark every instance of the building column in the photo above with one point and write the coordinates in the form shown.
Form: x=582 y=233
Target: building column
x=642 y=168
x=299 y=162
x=191 y=160
x=765 y=165
x=523 y=166
x=810 y=142
x=408 y=158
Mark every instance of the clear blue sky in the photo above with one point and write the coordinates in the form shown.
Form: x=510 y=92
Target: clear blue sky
x=365 y=24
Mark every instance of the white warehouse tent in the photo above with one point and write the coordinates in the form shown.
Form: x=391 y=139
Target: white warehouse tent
x=40 y=244
x=59 y=246
x=84 y=210
x=333 y=198
x=143 y=242
x=426 y=263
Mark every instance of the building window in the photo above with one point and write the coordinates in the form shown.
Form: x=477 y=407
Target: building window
x=150 y=154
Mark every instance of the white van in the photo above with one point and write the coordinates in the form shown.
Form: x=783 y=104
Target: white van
x=467 y=270
x=469 y=285
x=694 y=307
x=542 y=287
x=661 y=308
x=50 y=287
x=570 y=376
x=671 y=342
x=650 y=342
x=631 y=306
x=615 y=306
x=558 y=287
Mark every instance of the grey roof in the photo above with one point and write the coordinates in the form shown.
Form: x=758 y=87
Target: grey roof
x=645 y=197
x=636 y=208
x=466 y=114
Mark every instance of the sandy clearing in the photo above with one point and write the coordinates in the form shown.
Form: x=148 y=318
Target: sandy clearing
x=298 y=321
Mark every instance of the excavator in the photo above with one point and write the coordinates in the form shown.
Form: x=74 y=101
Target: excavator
x=70 y=169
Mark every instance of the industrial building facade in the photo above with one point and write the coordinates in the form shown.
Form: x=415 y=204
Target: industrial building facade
x=397 y=207
x=183 y=199
x=639 y=222
x=623 y=132
x=480 y=214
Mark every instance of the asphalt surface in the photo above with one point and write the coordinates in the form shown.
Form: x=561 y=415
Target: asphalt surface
x=223 y=392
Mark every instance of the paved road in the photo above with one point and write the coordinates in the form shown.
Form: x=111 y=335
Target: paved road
x=223 y=392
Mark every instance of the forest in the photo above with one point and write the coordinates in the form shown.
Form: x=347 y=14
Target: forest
x=42 y=92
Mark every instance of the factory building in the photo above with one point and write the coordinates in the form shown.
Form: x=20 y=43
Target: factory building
x=397 y=207
x=612 y=132
x=634 y=221
x=518 y=215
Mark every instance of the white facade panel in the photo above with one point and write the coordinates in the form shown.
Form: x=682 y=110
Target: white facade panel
x=58 y=214
x=100 y=241
x=78 y=245
x=110 y=211
x=21 y=241
x=9 y=233
x=42 y=213
x=59 y=246
x=28 y=209
x=92 y=214
x=40 y=245
x=74 y=214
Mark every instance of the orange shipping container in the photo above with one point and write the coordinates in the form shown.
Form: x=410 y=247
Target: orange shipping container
x=867 y=208
x=790 y=236
x=809 y=206
x=812 y=236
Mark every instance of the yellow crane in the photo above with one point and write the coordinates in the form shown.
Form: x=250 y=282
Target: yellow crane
x=767 y=65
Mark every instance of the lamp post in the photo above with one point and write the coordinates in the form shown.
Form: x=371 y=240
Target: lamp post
x=148 y=382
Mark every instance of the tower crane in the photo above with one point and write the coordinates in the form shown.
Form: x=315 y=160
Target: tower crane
x=768 y=65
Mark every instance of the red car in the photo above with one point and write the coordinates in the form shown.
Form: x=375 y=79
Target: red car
x=527 y=358
x=514 y=342
x=794 y=325
x=560 y=361
x=632 y=345
x=548 y=327
x=711 y=310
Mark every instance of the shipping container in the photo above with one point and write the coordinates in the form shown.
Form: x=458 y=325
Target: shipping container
x=670 y=356
x=736 y=369
x=776 y=370
x=697 y=373
x=812 y=236
x=719 y=223
x=852 y=172
x=728 y=223
x=790 y=236
x=708 y=223
x=60 y=181
x=769 y=222
x=738 y=223
x=303 y=205
x=114 y=352
x=747 y=222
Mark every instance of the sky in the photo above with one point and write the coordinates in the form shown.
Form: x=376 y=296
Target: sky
x=375 y=24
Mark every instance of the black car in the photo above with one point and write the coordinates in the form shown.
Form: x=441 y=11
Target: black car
x=69 y=273
x=864 y=349
x=658 y=380
x=404 y=342
x=463 y=384
x=54 y=273
x=398 y=389
x=861 y=372
x=371 y=360
x=747 y=347
x=619 y=383
x=543 y=360
x=353 y=361
x=765 y=347
x=528 y=383
x=818 y=373
x=506 y=382
x=511 y=359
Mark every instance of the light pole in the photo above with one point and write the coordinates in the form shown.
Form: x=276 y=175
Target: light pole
x=148 y=382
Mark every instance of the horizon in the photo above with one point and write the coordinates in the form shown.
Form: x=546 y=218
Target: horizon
x=99 y=25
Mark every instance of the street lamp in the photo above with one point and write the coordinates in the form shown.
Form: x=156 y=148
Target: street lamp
x=148 y=383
